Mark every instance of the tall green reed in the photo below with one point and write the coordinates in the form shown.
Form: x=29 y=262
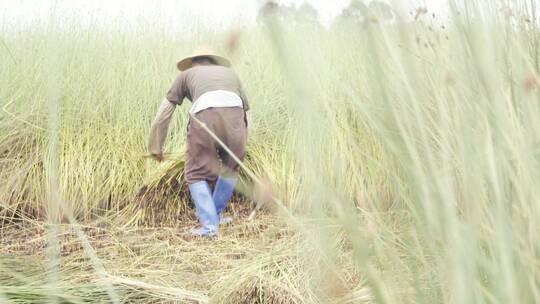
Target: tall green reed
x=411 y=145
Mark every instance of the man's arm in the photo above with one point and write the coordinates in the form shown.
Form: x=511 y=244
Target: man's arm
x=159 y=129
x=160 y=125
x=244 y=99
x=242 y=93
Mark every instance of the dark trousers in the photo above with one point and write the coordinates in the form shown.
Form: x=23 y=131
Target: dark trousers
x=206 y=159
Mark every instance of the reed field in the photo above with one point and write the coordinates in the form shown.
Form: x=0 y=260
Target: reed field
x=388 y=162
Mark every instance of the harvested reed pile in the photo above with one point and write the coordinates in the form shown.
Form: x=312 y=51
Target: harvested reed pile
x=164 y=196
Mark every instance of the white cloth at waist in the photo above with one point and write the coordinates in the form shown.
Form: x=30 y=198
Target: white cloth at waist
x=216 y=99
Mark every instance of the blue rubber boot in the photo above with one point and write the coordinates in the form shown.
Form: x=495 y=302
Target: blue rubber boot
x=206 y=210
x=222 y=194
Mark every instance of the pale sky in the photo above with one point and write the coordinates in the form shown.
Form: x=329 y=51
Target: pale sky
x=208 y=12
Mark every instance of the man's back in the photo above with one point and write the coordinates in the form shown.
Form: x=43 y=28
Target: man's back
x=198 y=80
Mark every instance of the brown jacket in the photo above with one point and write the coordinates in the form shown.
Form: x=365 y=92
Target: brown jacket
x=194 y=82
x=191 y=84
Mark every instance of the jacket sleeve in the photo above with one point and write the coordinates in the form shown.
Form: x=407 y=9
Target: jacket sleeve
x=177 y=92
x=242 y=93
x=244 y=99
x=160 y=126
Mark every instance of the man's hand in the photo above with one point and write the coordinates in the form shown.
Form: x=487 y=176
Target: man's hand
x=158 y=157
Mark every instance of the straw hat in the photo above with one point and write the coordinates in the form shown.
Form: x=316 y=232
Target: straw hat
x=204 y=51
